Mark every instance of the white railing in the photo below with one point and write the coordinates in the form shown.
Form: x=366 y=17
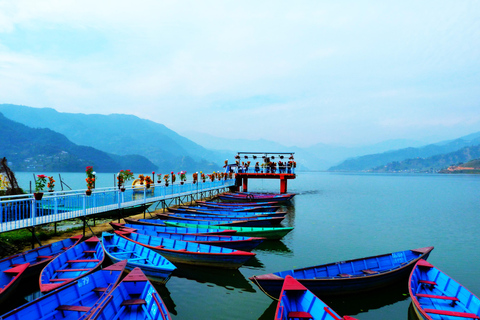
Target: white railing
x=23 y=211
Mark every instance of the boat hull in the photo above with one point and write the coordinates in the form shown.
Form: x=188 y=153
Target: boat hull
x=341 y=283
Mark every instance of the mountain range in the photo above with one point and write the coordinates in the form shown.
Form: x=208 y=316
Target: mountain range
x=118 y=141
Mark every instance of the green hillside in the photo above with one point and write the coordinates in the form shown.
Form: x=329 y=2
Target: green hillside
x=29 y=149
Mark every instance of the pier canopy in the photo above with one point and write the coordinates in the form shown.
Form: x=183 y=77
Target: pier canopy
x=262 y=165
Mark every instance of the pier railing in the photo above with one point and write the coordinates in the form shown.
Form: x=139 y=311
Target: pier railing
x=264 y=170
x=17 y=212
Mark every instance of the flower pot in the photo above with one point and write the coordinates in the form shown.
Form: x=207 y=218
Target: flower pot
x=148 y=186
x=122 y=189
x=166 y=184
x=181 y=182
x=159 y=181
x=38 y=195
x=88 y=192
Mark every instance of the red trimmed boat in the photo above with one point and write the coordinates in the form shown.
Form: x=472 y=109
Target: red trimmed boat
x=76 y=262
x=347 y=277
x=177 y=251
x=223 y=221
x=297 y=302
x=10 y=277
x=160 y=223
x=437 y=296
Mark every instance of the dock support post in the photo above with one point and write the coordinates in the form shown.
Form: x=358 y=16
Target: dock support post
x=245 y=185
x=283 y=185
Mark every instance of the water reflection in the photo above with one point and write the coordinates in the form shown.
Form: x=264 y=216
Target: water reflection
x=273 y=246
x=269 y=313
x=226 y=278
x=359 y=303
x=166 y=296
x=254 y=263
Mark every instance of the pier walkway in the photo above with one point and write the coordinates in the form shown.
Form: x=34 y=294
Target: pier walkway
x=23 y=211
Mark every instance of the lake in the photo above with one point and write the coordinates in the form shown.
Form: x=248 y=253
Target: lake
x=340 y=217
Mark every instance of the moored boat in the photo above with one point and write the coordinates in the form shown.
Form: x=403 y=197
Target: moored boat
x=184 y=252
x=78 y=261
x=271 y=233
x=297 y=302
x=38 y=258
x=226 y=212
x=232 y=242
x=256 y=197
x=160 y=223
x=236 y=204
x=152 y=263
x=224 y=221
x=134 y=298
x=74 y=300
x=345 y=277
x=10 y=277
x=245 y=209
x=435 y=295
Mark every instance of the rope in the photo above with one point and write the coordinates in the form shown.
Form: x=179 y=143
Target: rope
x=263 y=290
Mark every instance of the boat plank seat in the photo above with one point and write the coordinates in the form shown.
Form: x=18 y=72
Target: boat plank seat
x=344 y=275
x=299 y=315
x=433 y=283
x=64 y=307
x=58 y=280
x=100 y=289
x=433 y=296
x=44 y=257
x=83 y=260
x=89 y=251
x=133 y=302
x=15 y=265
x=452 y=313
x=369 y=271
x=72 y=270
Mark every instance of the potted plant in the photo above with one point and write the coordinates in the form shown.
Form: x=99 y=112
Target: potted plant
x=173 y=177
x=183 y=176
x=159 y=178
x=39 y=185
x=195 y=177
x=166 y=178
x=148 y=181
x=124 y=176
x=142 y=178
x=51 y=184
x=203 y=176
x=90 y=180
x=120 y=182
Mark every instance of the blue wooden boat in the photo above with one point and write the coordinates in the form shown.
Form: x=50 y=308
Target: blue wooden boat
x=184 y=252
x=160 y=223
x=232 y=209
x=345 y=277
x=10 y=277
x=227 y=212
x=74 y=300
x=297 y=302
x=152 y=263
x=223 y=221
x=78 y=261
x=437 y=296
x=257 y=197
x=134 y=298
x=39 y=257
x=271 y=233
x=232 y=242
x=236 y=204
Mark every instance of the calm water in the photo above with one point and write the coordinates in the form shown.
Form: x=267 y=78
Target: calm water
x=339 y=217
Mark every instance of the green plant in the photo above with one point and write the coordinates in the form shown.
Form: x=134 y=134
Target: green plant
x=40 y=182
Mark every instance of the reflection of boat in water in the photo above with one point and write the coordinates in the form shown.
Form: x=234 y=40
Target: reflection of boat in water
x=254 y=263
x=165 y=295
x=226 y=278
x=274 y=246
x=354 y=304
x=269 y=313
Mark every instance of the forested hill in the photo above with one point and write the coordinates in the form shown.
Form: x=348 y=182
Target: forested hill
x=29 y=149
x=432 y=164
x=369 y=162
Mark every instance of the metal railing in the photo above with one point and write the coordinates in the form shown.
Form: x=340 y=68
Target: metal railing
x=21 y=211
x=264 y=170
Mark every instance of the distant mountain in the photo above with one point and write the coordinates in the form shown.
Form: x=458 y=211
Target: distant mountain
x=28 y=149
x=119 y=134
x=434 y=163
x=368 y=162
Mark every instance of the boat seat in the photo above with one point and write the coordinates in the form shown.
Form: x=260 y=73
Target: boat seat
x=89 y=251
x=58 y=280
x=15 y=265
x=433 y=283
x=299 y=315
x=344 y=275
x=452 y=313
x=100 y=289
x=432 y=296
x=73 y=308
x=84 y=260
x=44 y=257
x=369 y=271
x=72 y=270
x=133 y=302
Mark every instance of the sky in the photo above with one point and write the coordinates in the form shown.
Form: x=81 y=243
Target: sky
x=294 y=72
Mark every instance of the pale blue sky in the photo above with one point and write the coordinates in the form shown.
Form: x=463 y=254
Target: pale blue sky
x=295 y=72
